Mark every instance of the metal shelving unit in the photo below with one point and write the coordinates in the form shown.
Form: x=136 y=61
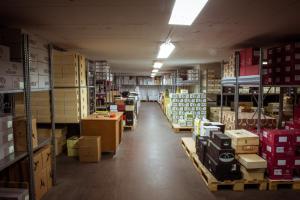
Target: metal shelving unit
x=252 y=81
x=17 y=156
x=91 y=83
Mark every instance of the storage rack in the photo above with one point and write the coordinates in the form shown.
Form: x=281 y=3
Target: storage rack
x=253 y=81
x=17 y=156
x=91 y=83
x=187 y=83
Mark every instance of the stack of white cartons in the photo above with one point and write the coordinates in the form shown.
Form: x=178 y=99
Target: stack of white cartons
x=11 y=73
x=39 y=63
x=192 y=74
x=191 y=104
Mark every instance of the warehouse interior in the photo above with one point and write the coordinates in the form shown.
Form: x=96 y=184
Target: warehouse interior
x=136 y=99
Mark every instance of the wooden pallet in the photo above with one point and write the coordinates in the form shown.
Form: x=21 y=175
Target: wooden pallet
x=178 y=129
x=188 y=145
x=277 y=184
x=212 y=183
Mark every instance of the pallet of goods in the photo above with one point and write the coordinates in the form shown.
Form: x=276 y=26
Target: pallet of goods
x=184 y=108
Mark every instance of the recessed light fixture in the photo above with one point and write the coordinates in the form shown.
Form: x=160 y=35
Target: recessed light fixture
x=154 y=70
x=158 y=65
x=185 y=11
x=165 y=49
x=265 y=62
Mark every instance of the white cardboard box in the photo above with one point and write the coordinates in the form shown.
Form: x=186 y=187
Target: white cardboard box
x=11 y=68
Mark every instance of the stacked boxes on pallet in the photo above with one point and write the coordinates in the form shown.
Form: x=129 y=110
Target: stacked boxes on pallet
x=249 y=61
x=283 y=65
x=70 y=93
x=246 y=145
x=184 y=108
x=229 y=69
x=215 y=113
x=215 y=152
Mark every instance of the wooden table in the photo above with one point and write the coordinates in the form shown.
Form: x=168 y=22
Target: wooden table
x=110 y=130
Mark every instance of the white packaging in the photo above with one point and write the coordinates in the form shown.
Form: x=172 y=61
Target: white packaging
x=11 y=83
x=4 y=53
x=43 y=68
x=11 y=68
x=34 y=81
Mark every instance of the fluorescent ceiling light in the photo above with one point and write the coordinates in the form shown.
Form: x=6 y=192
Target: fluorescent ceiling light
x=185 y=11
x=158 y=65
x=265 y=62
x=154 y=70
x=165 y=50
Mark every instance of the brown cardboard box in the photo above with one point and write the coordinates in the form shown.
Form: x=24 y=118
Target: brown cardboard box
x=19 y=128
x=89 y=148
x=252 y=161
x=253 y=174
x=49 y=178
x=38 y=163
x=40 y=184
x=243 y=137
x=46 y=156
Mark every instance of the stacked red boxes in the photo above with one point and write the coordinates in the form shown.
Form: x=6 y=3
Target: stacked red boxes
x=278 y=149
x=291 y=63
x=274 y=71
x=249 y=61
x=296 y=142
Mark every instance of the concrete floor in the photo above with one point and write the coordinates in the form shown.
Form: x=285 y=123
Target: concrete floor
x=150 y=164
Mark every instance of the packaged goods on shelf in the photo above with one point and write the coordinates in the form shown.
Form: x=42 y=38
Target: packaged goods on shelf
x=243 y=141
x=194 y=103
x=19 y=129
x=70 y=106
x=249 y=61
x=72 y=146
x=192 y=74
x=247 y=120
x=11 y=75
x=60 y=138
x=89 y=148
x=67 y=67
x=6 y=136
x=215 y=113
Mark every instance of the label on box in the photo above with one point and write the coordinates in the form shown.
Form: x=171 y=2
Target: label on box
x=269 y=149
x=281 y=162
x=279 y=149
x=297 y=162
x=287 y=69
x=288 y=58
x=9 y=124
x=10 y=137
x=282 y=139
x=298 y=139
x=11 y=149
x=297 y=67
x=265 y=134
x=277 y=69
x=278 y=172
x=278 y=60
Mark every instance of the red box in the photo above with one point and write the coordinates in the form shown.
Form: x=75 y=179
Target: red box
x=249 y=70
x=297 y=114
x=267 y=80
x=252 y=56
x=292 y=47
x=292 y=58
x=297 y=162
x=121 y=108
x=276 y=137
x=242 y=58
x=273 y=151
x=296 y=137
x=279 y=173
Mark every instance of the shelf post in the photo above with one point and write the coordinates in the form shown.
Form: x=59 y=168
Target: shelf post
x=260 y=91
x=236 y=92
x=221 y=110
x=27 y=90
x=52 y=114
x=280 y=111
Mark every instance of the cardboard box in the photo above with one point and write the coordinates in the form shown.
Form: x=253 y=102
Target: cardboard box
x=10 y=68
x=243 y=137
x=253 y=174
x=11 y=82
x=4 y=53
x=19 y=129
x=89 y=148
x=5 y=122
x=72 y=146
x=40 y=184
x=46 y=156
x=252 y=161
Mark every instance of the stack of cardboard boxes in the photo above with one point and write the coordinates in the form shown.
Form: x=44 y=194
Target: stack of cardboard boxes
x=70 y=91
x=283 y=65
x=229 y=69
x=6 y=136
x=181 y=105
x=214 y=114
x=89 y=148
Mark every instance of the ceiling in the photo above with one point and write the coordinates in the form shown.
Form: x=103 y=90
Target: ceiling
x=127 y=33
